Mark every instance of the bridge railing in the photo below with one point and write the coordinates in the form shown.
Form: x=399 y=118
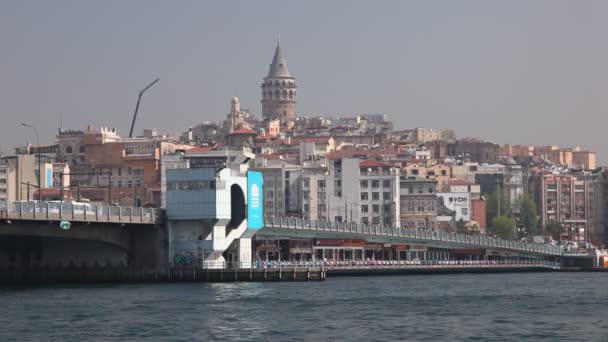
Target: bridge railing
x=353 y=264
x=79 y=211
x=400 y=232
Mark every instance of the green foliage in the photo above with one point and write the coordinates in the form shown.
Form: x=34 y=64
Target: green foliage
x=502 y=226
x=525 y=215
x=492 y=200
x=555 y=228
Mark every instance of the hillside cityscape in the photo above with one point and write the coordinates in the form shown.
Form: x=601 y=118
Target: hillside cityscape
x=357 y=169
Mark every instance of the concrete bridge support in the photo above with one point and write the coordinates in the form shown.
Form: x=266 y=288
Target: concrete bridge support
x=29 y=247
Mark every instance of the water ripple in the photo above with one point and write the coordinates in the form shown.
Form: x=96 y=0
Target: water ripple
x=512 y=307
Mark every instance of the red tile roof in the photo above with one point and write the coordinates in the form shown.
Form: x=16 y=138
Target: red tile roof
x=373 y=163
x=244 y=131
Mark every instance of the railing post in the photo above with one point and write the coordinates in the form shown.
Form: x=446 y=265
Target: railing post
x=47 y=209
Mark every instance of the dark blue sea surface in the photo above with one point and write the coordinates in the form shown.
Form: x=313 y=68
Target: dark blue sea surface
x=463 y=307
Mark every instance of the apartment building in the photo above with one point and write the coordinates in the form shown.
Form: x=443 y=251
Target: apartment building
x=567 y=199
x=418 y=202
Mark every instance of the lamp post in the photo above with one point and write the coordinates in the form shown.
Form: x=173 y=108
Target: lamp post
x=141 y=93
x=39 y=161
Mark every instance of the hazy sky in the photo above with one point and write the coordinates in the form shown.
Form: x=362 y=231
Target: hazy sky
x=532 y=72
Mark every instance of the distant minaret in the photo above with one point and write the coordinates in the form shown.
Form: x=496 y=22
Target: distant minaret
x=234 y=117
x=279 y=90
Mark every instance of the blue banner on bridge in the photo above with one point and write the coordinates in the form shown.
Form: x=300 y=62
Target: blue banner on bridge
x=255 y=200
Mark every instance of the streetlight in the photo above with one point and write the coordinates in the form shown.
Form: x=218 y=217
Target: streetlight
x=39 y=161
x=141 y=93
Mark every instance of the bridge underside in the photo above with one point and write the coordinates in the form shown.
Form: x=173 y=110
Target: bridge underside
x=31 y=246
x=286 y=233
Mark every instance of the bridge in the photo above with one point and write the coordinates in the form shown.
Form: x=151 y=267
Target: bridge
x=296 y=227
x=66 y=211
x=62 y=236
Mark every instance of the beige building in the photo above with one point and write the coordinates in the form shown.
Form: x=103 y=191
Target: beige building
x=20 y=176
x=427 y=134
x=516 y=150
x=585 y=159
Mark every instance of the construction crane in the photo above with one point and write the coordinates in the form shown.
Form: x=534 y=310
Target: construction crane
x=137 y=106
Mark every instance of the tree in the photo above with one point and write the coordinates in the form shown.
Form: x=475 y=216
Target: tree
x=492 y=200
x=555 y=228
x=502 y=226
x=525 y=215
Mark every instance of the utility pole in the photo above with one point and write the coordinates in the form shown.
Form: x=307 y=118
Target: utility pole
x=39 y=159
x=498 y=196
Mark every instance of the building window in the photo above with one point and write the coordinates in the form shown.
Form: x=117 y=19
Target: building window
x=444 y=173
x=386 y=196
x=320 y=195
x=338 y=183
x=375 y=184
x=410 y=190
x=364 y=196
x=363 y=184
x=376 y=220
x=376 y=208
x=375 y=196
x=306 y=195
x=81 y=149
x=430 y=190
x=68 y=150
x=386 y=183
x=321 y=183
x=364 y=208
x=306 y=182
x=365 y=220
x=321 y=209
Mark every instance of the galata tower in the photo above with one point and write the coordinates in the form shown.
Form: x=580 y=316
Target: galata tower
x=279 y=90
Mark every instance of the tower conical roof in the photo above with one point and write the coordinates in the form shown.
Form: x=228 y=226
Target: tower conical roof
x=278 y=68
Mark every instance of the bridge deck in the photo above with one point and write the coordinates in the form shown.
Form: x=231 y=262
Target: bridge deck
x=376 y=233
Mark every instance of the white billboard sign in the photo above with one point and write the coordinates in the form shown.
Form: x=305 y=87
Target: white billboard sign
x=453 y=206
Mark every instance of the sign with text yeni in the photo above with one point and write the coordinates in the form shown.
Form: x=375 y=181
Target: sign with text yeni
x=255 y=200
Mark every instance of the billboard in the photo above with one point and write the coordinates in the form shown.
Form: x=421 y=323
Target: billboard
x=49 y=177
x=255 y=200
x=453 y=206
